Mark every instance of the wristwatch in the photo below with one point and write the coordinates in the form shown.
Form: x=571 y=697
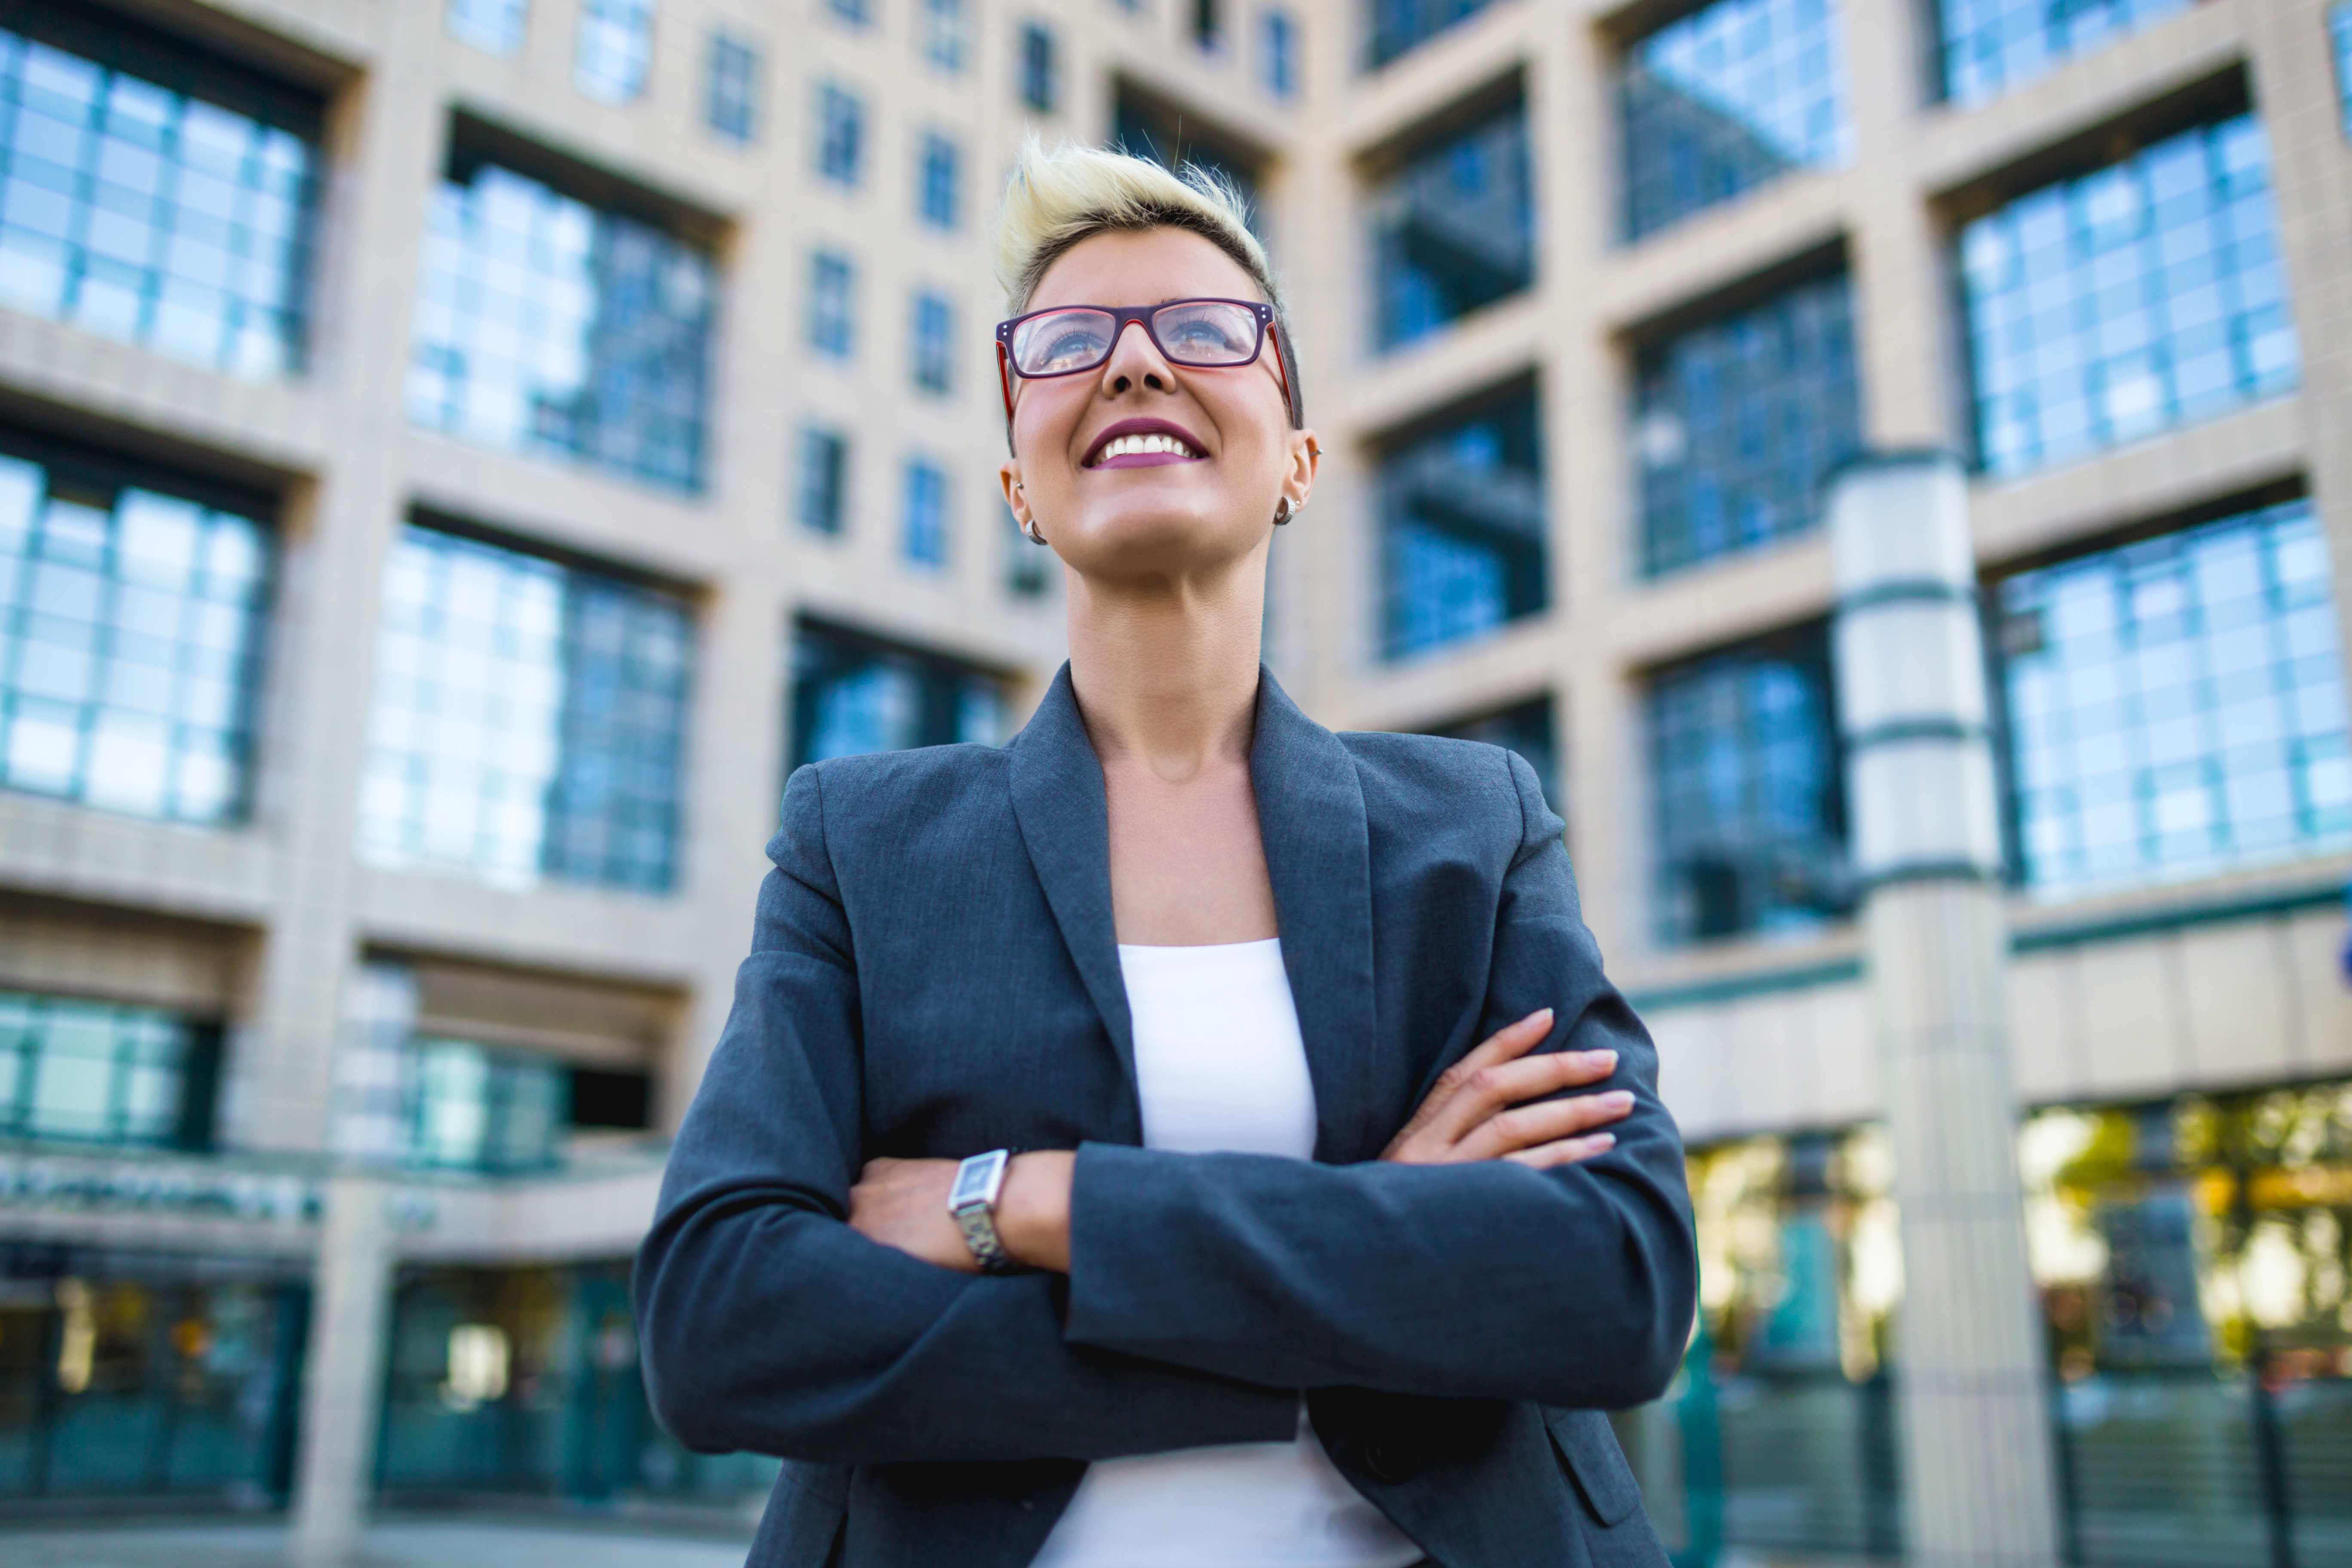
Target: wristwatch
x=973 y=1203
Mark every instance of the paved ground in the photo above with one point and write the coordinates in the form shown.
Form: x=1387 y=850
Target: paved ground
x=393 y=1543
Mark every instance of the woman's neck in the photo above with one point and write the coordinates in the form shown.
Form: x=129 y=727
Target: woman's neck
x=1165 y=673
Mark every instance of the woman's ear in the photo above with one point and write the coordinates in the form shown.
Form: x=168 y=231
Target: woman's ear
x=1298 y=477
x=1008 y=475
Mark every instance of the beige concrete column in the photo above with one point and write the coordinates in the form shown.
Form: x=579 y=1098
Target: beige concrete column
x=342 y=1379
x=1977 y=1469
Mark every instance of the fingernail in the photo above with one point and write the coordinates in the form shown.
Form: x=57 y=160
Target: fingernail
x=1602 y=1141
x=1543 y=1012
x=1619 y=1099
x=1601 y=1059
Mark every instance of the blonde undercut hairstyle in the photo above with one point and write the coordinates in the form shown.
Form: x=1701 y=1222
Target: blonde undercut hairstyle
x=1061 y=194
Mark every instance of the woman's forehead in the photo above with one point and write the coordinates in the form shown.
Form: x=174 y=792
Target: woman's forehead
x=1141 y=266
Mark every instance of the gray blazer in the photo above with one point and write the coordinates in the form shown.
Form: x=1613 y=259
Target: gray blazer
x=933 y=972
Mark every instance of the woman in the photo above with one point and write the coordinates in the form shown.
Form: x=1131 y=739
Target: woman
x=1315 y=1194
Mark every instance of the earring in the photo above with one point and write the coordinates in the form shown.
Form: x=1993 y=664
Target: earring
x=1030 y=529
x=1284 y=511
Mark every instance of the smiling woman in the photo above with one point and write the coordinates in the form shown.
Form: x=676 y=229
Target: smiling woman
x=1112 y=1126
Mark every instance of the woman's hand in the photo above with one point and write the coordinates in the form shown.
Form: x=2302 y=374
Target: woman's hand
x=904 y=1204
x=1474 y=1112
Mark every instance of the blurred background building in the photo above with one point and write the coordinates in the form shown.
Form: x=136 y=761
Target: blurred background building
x=455 y=456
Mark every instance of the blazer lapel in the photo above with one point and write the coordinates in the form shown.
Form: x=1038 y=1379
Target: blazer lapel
x=1057 y=798
x=1310 y=814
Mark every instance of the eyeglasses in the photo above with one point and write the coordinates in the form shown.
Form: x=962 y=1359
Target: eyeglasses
x=1204 y=335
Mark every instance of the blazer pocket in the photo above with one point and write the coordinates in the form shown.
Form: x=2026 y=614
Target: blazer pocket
x=1588 y=1448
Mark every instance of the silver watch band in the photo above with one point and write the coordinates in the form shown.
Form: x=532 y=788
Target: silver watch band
x=972 y=1202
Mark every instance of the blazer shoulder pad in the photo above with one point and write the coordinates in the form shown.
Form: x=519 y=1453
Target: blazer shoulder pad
x=1435 y=772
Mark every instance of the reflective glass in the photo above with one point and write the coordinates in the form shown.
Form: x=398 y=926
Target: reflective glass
x=615 y=48
x=943 y=33
x=1740 y=419
x=832 y=314
x=2125 y=302
x=824 y=479
x=469 y=1107
x=923 y=531
x=840 y=134
x=1278 y=52
x=731 y=89
x=548 y=326
x=99 y=1072
x=1751 y=810
x=1396 y=26
x=853 y=694
x=1037 y=66
x=1990 y=46
x=2340 y=32
x=1453 y=229
x=1462 y=530
x=130 y=644
x=1727 y=98
x=939 y=181
x=529 y=722
x=934 y=343
x=496 y=25
x=854 y=12
x=1525 y=728
x=143 y=212
x=2176 y=707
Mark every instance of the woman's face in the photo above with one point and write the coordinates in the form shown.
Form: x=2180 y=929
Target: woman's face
x=1157 y=514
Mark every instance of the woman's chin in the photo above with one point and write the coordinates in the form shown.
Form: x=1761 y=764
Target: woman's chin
x=1156 y=541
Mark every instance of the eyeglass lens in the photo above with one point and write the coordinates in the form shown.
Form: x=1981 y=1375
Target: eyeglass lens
x=1201 y=332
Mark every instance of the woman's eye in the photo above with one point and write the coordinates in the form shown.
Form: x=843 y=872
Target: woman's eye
x=1070 y=348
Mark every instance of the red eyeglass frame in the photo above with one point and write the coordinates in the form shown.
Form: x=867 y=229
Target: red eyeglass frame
x=1122 y=316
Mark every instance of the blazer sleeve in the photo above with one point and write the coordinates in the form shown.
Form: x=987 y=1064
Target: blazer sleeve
x=768 y=1324
x=1573 y=1285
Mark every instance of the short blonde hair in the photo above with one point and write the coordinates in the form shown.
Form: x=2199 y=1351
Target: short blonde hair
x=1061 y=194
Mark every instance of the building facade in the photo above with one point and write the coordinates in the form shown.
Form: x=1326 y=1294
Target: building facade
x=457 y=456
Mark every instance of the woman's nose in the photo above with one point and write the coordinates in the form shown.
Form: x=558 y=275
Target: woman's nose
x=1136 y=361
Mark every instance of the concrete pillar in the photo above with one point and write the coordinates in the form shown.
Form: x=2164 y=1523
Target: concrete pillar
x=343 y=1380
x=1977 y=1471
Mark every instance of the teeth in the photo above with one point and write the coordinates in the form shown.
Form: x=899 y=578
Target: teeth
x=1132 y=445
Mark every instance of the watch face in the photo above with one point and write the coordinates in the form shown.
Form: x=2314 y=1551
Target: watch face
x=971 y=1183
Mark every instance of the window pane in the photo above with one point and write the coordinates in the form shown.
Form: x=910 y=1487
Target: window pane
x=1278 y=52
x=1726 y=99
x=1397 y=26
x=934 y=343
x=1740 y=419
x=547 y=326
x=1463 y=528
x=853 y=694
x=832 y=318
x=2339 y=29
x=732 y=93
x=131 y=643
x=529 y=722
x=2140 y=297
x=938 y=182
x=496 y=25
x=158 y=214
x=1453 y=229
x=943 y=33
x=2176 y=706
x=97 y=1071
x=824 y=461
x=616 y=48
x=1990 y=46
x=840 y=142
x=1750 y=815
x=923 y=540
x=1037 y=66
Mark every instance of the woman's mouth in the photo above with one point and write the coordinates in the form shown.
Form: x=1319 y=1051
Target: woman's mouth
x=1145 y=449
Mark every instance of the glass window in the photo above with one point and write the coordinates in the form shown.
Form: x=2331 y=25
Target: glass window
x=857 y=12
x=833 y=283
x=2140 y=297
x=547 y=326
x=615 y=48
x=529 y=722
x=1397 y=26
x=853 y=694
x=496 y=25
x=934 y=343
x=1453 y=229
x=1738 y=420
x=471 y=1108
x=841 y=134
x=939 y=181
x=1990 y=46
x=2176 y=707
x=923 y=536
x=1278 y=55
x=1208 y=25
x=177 y=218
x=131 y=623
x=1462 y=511
x=1751 y=804
x=102 y=1073
x=1037 y=66
x=1154 y=129
x=824 y=480
x=1730 y=97
x=943 y=33
x=732 y=87
x=2339 y=29
x=1525 y=728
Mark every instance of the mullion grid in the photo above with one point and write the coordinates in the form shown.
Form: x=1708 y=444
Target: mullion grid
x=1990 y=46
x=2163 y=724
x=2127 y=301
x=140 y=1062
x=221 y=288
x=162 y=723
x=615 y=48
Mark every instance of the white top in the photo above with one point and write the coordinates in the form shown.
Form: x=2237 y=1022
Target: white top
x=1219 y=1065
